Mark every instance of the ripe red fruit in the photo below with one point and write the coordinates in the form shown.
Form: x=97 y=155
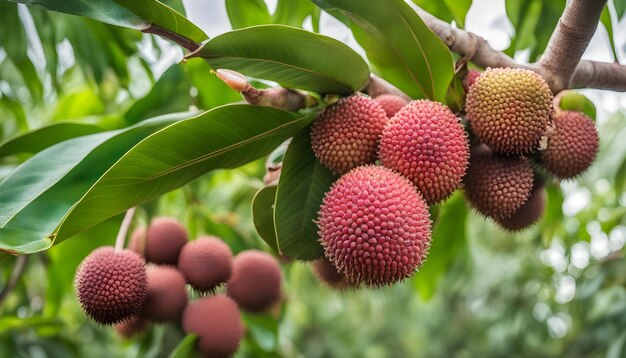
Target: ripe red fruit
x=470 y=78
x=347 y=133
x=206 y=263
x=374 y=226
x=529 y=213
x=391 y=103
x=572 y=145
x=137 y=241
x=164 y=239
x=111 y=285
x=256 y=281
x=167 y=296
x=426 y=143
x=131 y=327
x=327 y=273
x=217 y=322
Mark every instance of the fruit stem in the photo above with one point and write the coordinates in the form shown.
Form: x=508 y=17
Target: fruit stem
x=121 y=235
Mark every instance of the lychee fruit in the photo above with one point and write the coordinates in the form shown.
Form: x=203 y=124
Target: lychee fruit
x=346 y=134
x=497 y=186
x=470 y=78
x=206 y=263
x=164 y=239
x=137 y=241
x=529 y=213
x=572 y=145
x=167 y=296
x=327 y=273
x=374 y=226
x=509 y=109
x=131 y=327
x=426 y=143
x=217 y=322
x=112 y=285
x=256 y=281
x=391 y=103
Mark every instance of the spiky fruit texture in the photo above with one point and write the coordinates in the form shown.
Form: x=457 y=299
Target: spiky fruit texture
x=327 y=273
x=572 y=145
x=167 y=296
x=527 y=214
x=217 y=322
x=426 y=143
x=164 y=239
x=137 y=241
x=111 y=286
x=206 y=263
x=374 y=226
x=470 y=78
x=497 y=186
x=347 y=133
x=391 y=103
x=131 y=327
x=509 y=109
x=256 y=281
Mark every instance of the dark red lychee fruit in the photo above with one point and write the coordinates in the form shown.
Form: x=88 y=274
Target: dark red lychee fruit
x=167 y=296
x=529 y=213
x=137 y=241
x=112 y=285
x=256 y=281
x=391 y=103
x=572 y=145
x=509 y=109
x=327 y=273
x=217 y=322
x=131 y=327
x=426 y=143
x=164 y=239
x=206 y=263
x=470 y=78
x=347 y=133
x=497 y=186
x=374 y=226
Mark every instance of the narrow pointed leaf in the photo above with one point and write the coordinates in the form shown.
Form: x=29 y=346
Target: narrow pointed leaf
x=263 y=215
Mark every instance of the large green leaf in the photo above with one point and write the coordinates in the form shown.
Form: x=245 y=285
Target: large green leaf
x=263 y=215
x=301 y=188
x=447 y=10
x=293 y=57
x=244 y=13
x=403 y=49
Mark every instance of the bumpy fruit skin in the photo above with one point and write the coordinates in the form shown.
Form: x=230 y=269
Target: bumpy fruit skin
x=131 y=327
x=470 y=78
x=137 y=241
x=167 y=296
x=347 y=133
x=374 y=226
x=391 y=103
x=217 y=322
x=572 y=145
x=206 y=263
x=509 y=109
x=527 y=214
x=112 y=286
x=327 y=273
x=164 y=239
x=497 y=186
x=426 y=143
x=256 y=281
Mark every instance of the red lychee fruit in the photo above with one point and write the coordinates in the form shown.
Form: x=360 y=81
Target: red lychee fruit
x=426 y=143
x=470 y=78
x=529 y=213
x=509 y=109
x=374 y=226
x=256 y=281
x=327 y=273
x=391 y=103
x=206 y=263
x=164 y=239
x=111 y=285
x=131 y=327
x=572 y=145
x=167 y=296
x=347 y=133
x=137 y=241
x=217 y=322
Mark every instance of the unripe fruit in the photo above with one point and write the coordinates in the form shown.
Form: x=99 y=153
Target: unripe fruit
x=167 y=296
x=206 y=263
x=217 y=322
x=164 y=239
x=391 y=103
x=470 y=78
x=426 y=143
x=327 y=273
x=527 y=214
x=256 y=281
x=131 y=327
x=111 y=286
x=509 y=109
x=497 y=186
x=374 y=226
x=572 y=145
x=347 y=133
x=137 y=241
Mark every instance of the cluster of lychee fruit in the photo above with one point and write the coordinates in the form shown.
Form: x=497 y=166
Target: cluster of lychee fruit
x=118 y=287
x=374 y=221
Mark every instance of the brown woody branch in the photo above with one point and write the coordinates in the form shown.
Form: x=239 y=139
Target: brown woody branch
x=183 y=41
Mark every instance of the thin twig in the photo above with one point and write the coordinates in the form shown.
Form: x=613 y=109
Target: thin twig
x=377 y=86
x=183 y=41
x=18 y=269
x=120 y=240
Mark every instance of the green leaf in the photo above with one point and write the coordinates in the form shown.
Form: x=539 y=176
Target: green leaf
x=459 y=9
x=294 y=12
x=301 y=188
x=575 y=101
x=263 y=215
x=186 y=348
x=605 y=19
x=293 y=57
x=620 y=8
x=398 y=43
x=263 y=329
x=447 y=10
x=77 y=104
x=456 y=94
x=245 y=13
x=44 y=137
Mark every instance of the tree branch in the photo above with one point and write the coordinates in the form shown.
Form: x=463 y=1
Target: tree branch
x=181 y=40
x=377 y=86
x=599 y=75
x=18 y=269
